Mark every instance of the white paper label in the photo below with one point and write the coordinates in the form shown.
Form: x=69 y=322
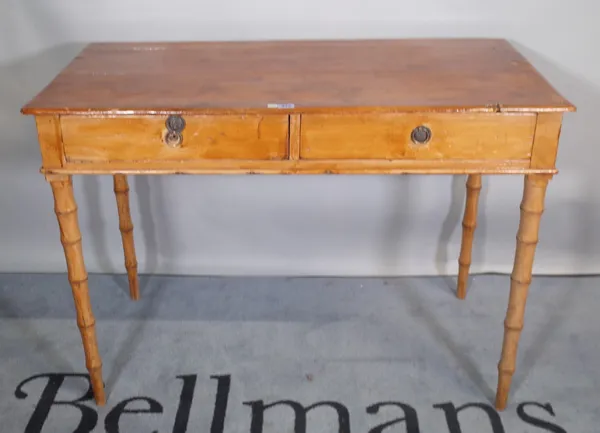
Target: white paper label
x=272 y=105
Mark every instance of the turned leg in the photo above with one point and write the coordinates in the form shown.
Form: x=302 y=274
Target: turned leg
x=66 y=211
x=126 y=227
x=469 y=224
x=532 y=207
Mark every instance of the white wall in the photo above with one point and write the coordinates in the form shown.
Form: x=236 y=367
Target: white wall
x=307 y=225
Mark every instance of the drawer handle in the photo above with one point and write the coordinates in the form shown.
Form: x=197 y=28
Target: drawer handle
x=175 y=123
x=173 y=139
x=175 y=126
x=421 y=135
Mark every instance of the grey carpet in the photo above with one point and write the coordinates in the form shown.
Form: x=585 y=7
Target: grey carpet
x=211 y=355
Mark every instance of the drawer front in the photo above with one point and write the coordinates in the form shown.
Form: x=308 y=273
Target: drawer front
x=143 y=138
x=388 y=136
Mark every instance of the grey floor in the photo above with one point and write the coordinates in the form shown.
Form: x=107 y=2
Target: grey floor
x=354 y=341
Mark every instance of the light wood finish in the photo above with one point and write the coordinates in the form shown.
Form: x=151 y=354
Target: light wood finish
x=498 y=137
x=66 y=212
x=301 y=107
x=370 y=166
x=121 y=188
x=97 y=139
x=547 y=134
x=295 y=121
x=316 y=76
x=469 y=223
x=50 y=139
x=532 y=208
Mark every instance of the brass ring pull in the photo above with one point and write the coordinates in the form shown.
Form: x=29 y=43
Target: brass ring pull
x=173 y=139
x=421 y=135
x=175 y=126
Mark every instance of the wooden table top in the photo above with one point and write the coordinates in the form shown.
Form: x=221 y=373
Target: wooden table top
x=298 y=76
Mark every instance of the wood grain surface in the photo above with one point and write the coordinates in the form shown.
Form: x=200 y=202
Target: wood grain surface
x=142 y=138
x=469 y=224
x=331 y=166
x=121 y=189
x=454 y=136
x=532 y=207
x=65 y=208
x=404 y=75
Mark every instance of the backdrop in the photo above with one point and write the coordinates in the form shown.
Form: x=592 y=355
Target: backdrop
x=299 y=225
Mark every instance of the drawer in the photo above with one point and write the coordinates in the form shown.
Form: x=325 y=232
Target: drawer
x=389 y=136
x=143 y=138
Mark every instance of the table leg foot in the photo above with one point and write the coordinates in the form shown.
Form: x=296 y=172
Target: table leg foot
x=121 y=188
x=88 y=335
x=532 y=208
x=469 y=223
x=66 y=212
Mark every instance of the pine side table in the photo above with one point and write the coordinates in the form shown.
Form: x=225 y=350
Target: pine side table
x=423 y=106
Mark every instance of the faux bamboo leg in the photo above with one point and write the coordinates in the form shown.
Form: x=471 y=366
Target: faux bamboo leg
x=126 y=227
x=469 y=224
x=532 y=207
x=66 y=211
